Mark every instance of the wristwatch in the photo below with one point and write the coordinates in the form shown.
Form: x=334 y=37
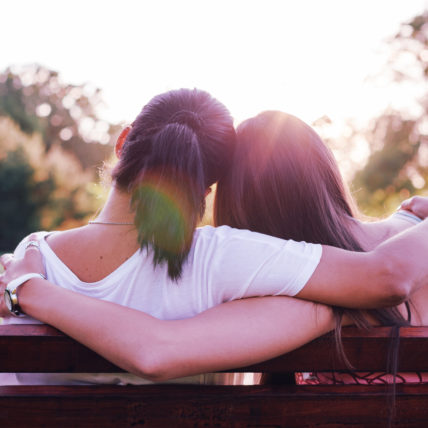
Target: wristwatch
x=10 y=293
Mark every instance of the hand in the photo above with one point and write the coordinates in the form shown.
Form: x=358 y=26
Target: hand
x=32 y=262
x=417 y=205
x=3 y=309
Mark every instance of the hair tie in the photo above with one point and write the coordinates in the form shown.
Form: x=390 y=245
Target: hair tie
x=187 y=117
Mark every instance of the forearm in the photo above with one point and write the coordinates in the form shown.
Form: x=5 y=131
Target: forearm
x=231 y=335
x=107 y=328
x=407 y=256
x=385 y=276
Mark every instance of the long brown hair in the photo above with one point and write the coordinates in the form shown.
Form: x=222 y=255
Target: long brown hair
x=285 y=182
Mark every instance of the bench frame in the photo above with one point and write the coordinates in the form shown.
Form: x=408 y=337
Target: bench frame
x=41 y=348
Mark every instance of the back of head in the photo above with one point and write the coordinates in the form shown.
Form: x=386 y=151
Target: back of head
x=286 y=183
x=180 y=144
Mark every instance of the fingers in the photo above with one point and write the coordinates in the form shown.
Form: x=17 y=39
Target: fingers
x=405 y=205
x=5 y=260
x=418 y=205
x=3 y=309
x=408 y=203
x=31 y=262
x=32 y=251
x=32 y=243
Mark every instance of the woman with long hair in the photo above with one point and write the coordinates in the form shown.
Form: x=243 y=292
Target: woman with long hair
x=206 y=267
x=297 y=192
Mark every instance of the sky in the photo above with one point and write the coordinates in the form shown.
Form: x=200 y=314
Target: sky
x=306 y=57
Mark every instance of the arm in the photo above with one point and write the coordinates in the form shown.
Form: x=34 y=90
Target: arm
x=386 y=276
x=230 y=335
x=373 y=234
x=259 y=330
x=417 y=205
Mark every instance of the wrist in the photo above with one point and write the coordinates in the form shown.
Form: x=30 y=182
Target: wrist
x=408 y=216
x=11 y=292
x=30 y=296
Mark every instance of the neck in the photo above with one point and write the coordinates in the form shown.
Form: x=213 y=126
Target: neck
x=117 y=208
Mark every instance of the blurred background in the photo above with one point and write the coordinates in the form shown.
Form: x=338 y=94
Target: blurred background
x=72 y=74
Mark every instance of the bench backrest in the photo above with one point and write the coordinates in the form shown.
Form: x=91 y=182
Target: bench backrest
x=40 y=348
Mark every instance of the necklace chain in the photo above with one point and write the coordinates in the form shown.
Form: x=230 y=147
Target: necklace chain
x=111 y=223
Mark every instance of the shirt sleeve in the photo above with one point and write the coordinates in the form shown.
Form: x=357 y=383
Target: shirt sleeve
x=250 y=264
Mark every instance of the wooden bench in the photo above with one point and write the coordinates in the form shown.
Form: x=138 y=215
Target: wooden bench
x=30 y=348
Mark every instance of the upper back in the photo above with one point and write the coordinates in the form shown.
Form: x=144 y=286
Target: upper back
x=224 y=264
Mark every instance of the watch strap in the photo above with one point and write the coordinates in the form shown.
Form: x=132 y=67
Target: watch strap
x=10 y=294
x=12 y=285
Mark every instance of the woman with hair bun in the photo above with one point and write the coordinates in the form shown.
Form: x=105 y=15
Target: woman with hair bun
x=143 y=252
x=179 y=145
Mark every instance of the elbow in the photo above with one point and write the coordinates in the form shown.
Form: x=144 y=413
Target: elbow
x=398 y=292
x=159 y=357
x=395 y=283
x=149 y=372
x=153 y=366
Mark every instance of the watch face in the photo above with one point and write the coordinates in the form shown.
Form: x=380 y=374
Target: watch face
x=8 y=300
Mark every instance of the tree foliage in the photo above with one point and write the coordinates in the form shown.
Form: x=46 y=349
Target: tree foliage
x=64 y=115
x=49 y=152
x=21 y=213
x=398 y=164
x=40 y=190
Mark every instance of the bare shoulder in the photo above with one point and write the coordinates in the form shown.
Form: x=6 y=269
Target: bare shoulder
x=91 y=253
x=63 y=239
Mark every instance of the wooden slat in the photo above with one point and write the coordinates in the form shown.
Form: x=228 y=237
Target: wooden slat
x=203 y=406
x=40 y=348
x=26 y=348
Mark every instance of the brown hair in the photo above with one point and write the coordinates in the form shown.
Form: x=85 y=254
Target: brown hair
x=285 y=182
x=180 y=144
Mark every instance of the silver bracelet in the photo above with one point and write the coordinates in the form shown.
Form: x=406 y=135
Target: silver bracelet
x=406 y=215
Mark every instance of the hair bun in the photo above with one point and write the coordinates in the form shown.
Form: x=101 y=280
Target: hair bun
x=186 y=117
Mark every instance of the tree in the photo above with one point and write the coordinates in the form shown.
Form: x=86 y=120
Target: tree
x=398 y=164
x=65 y=115
x=21 y=193
x=48 y=153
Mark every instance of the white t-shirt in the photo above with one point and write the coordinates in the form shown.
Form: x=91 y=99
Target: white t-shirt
x=223 y=264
